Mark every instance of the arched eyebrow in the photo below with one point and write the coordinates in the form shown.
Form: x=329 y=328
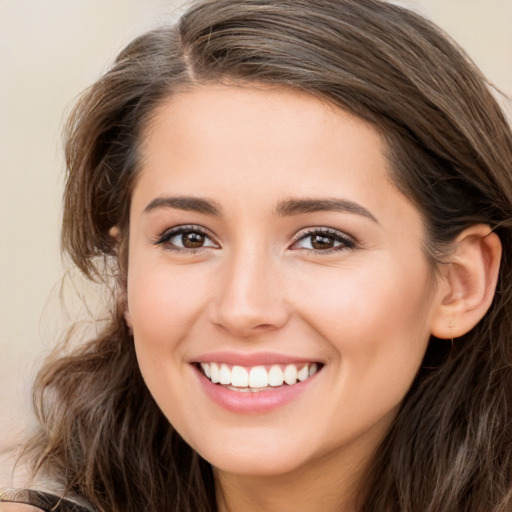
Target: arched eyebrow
x=286 y=208
x=298 y=206
x=191 y=204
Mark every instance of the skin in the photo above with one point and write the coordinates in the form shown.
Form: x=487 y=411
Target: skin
x=364 y=310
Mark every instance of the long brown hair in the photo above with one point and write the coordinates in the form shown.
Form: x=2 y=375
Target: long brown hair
x=450 y=448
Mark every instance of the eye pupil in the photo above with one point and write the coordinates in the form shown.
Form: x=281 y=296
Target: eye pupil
x=322 y=242
x=192 y=240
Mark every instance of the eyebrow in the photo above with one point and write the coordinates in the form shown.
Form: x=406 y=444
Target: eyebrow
x=299 y=206
x=286 y=208
x=191 y=204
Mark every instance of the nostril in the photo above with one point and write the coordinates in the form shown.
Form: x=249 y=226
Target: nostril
x=243 y=328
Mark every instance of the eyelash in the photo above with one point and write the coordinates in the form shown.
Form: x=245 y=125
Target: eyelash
x=166 y=236
x=344 y=241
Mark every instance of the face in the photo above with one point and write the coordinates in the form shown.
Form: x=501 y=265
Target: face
x=279 y=296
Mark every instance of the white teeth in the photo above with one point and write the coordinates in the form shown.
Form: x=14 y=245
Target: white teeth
x=224 y=374
x=257 y=378
x=206 y=369
x=239 y=377
x=290 y=374
x=275 y=376
x=303 y=373
x=214 y=369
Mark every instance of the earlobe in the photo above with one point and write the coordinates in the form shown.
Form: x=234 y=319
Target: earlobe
x=468 y=282
x=115 y=234
x=128 y=319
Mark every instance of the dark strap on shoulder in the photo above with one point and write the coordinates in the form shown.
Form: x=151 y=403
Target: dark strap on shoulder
x=43 y=500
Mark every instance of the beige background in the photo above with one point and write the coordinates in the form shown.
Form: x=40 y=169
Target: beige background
x=49 y=51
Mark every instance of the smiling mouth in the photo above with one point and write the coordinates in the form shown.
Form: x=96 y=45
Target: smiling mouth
x=257 y=378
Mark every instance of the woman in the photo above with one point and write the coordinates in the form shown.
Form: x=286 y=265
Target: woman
x=306 y=209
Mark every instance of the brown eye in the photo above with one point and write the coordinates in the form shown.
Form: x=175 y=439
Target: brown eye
x=183 y=238
x=322 y=242
x=192 y=240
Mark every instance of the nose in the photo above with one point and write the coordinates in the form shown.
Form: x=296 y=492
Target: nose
x=250 y=298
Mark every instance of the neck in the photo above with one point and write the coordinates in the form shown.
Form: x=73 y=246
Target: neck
x=325 y=486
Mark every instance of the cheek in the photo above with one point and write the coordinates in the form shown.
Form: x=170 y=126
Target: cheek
x=160 y=295
x=375 y=322
x=377 y=335
x=164 y=304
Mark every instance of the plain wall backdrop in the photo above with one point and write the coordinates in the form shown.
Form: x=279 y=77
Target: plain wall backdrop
x=50 y=50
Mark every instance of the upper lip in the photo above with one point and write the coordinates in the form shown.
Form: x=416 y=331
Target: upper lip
x=255 y=359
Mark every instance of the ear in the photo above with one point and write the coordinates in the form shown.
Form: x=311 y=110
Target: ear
x=128 y=319
x=466 y=288
x=115 y=233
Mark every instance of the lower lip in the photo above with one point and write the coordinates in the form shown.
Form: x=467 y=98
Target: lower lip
x=253 y=402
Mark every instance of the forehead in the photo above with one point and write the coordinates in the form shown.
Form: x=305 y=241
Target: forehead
x=253 y=147
x=249 y=151
x=257 y=130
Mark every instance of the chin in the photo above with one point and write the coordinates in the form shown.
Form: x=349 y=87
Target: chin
x=257 y=465
x=260 y=455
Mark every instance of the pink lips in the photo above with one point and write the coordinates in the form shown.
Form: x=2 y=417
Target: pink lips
x=251 y=402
